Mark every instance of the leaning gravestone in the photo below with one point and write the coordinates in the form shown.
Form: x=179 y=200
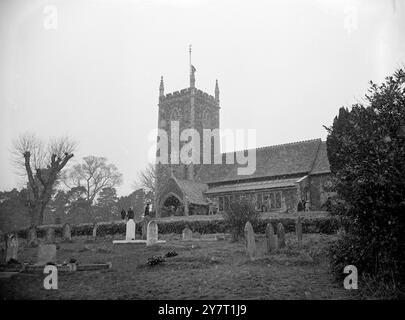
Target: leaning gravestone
x=298 y=230
x=67 y=232
x=187 y=234
x=152 y=233
x=271 y=238
x=280 y=235
x=250 y=240
x=32 y=240
x=50 y=235
x=130 y=230
x=11 y=247
x=46 y=254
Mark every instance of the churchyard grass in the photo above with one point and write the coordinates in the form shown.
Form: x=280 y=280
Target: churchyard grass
x=201 y=270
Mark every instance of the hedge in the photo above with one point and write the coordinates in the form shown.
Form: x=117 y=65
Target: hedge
x=326 y=225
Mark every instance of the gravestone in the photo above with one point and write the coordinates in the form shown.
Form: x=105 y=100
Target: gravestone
x=50 y=235
x=250 y=240
x=46 y=253
x=130 y=230
x=298 y=230
x=280 y=235
x=152 y=233
x=95 y=226
x=67 y=234
x=32 y=240
x=271 y=238
x=187 y=234
x=11 y=247
x=145 y=223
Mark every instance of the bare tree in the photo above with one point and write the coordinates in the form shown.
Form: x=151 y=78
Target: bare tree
x=42 y=165
x=146 y=179
x=93 y=174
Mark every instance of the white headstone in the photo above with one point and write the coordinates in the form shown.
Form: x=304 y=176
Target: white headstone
x=187 y=234
x=46 y=253
x=50 y=235
x=250 y=240
x=11 y=247
x=67 y=234
x=152 y=233
x=271 y=238
x=130 y=230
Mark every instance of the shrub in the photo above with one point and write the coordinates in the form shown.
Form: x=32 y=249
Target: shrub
x=236 y=217
x=152 y=261
x=366 y=151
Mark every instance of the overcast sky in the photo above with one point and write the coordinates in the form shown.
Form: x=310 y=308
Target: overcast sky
x=284 y=67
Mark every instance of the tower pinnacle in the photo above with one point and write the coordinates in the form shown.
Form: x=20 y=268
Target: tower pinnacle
x=161 y=88
x=216 y=91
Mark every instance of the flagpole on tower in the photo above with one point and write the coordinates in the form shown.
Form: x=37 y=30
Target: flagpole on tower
x=189 y=50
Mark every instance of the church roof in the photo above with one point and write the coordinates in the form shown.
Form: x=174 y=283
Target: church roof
x=258 y=185
x=304 y=157
x=193 y=190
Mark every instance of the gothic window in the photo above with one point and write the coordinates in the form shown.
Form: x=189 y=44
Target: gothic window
x=221 y=204
x=272 y=201
x=259 y=201
x=226 y=205
x=266 y=199
x=206 y=119
x=278 y=200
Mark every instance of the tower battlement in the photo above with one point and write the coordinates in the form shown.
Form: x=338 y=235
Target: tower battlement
x=186 y=93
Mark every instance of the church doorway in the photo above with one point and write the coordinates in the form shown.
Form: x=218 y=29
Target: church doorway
x=172 y=206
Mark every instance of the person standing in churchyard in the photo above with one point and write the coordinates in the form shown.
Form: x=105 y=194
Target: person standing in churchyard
x=147 y=210
x=299 y=208
x=123 y=214
x=131 y=214
x=306 y=206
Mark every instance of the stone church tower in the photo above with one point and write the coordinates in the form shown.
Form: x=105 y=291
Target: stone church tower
x=189 y=108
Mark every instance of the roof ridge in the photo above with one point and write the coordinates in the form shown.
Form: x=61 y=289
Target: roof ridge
x=275 y=146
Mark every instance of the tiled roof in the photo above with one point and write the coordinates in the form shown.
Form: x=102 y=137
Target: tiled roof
x=193 y=190
x=285 y=159
x=321 y=164
x=247 y=186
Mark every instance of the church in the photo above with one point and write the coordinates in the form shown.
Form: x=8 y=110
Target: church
x=285 y=174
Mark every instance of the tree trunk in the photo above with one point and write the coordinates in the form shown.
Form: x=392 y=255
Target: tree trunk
x=37 y=215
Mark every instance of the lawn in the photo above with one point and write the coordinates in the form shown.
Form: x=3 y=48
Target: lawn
x=201 y=270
